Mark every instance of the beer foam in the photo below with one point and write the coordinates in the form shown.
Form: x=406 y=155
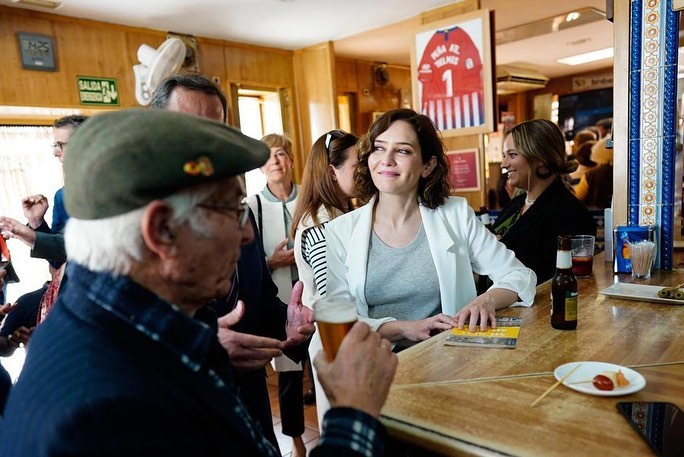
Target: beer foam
x=338 y=310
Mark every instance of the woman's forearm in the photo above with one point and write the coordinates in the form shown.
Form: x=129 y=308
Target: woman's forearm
x=501 y=298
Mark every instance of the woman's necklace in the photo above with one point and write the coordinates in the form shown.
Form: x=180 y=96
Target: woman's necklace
x=529 y=201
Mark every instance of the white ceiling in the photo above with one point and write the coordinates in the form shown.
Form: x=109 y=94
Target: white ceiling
x=366 y=29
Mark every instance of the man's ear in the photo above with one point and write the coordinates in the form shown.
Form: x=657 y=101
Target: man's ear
x=156 y=230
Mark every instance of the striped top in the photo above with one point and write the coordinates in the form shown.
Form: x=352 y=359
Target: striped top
x=313 y=251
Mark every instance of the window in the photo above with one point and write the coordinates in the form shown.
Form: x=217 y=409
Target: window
x=26 y=167
x=260 y=114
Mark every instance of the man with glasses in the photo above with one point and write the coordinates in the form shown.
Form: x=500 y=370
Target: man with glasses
x=46 y=242
x=129 y=362
x=269 y=326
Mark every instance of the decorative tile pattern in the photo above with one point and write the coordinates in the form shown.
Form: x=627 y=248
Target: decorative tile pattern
x=651 y=106
x=634 y=170
x=654 y=32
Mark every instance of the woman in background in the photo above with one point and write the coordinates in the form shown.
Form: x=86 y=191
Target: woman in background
x=407 y=257
x=273 y=208
x=325 y=193
x=535 y=161
x=583 y=157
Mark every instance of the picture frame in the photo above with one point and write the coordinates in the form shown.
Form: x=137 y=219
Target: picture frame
x=37 y=51
x=452 y=73
x=464 y=170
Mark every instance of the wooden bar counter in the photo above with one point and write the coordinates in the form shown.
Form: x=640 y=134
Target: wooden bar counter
x=476 y=401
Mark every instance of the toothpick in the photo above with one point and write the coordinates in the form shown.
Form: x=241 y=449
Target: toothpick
x=555 y=385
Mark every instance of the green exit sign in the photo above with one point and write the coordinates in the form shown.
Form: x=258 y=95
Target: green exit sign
x=97 y=91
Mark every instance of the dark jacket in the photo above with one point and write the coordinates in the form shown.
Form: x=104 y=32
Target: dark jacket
x=534 y=236
x=116 y=371
x=95 y=384
x=265 y=315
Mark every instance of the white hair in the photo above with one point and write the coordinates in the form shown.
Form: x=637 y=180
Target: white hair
x=115 y=243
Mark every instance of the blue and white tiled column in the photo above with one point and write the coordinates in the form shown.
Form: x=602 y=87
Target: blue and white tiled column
x=654 y=35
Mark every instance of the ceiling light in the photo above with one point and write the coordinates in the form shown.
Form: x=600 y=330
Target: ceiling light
x=572 y=16
x=39 y=3
x=587 y=57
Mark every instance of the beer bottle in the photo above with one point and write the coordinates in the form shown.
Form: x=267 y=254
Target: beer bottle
x=564 y=289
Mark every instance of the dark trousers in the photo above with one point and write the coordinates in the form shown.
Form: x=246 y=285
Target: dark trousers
x=291 y=398
x=6 y=385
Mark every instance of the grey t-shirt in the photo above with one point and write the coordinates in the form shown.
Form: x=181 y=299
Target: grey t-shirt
x=402 y=282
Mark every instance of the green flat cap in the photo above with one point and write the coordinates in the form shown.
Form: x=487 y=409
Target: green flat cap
x=118 y=162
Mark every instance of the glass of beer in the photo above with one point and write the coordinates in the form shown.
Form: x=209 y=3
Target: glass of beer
x=334 y=316
x=582 y=250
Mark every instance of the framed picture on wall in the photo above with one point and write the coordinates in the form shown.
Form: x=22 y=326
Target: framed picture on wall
x=464 y=170
x=452 y=74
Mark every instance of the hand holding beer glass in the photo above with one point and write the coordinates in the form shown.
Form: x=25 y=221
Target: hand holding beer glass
x=334 y=316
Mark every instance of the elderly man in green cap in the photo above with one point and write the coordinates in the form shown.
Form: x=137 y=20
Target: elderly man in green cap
x=128 y=362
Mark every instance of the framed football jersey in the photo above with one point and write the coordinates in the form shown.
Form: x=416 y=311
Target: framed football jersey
x=452 y=72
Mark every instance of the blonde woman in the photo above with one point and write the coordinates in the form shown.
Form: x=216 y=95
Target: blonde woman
x=273 y=208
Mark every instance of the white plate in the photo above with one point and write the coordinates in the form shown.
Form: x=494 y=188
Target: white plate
x=639 y=292
x=590 y=369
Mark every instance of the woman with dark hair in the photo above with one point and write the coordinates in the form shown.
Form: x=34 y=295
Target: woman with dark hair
x=535 y=161
x=407 y=257
x=326 y=192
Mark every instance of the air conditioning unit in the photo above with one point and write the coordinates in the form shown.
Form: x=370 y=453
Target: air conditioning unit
x=510 y=80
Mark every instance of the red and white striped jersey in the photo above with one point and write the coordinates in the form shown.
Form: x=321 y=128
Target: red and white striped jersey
x=451 y=75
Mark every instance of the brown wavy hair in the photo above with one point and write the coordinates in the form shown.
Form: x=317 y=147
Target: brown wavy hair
x=432 y=190
x=318 y=187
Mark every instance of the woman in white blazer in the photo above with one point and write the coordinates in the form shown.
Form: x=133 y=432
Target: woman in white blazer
x=407 y=257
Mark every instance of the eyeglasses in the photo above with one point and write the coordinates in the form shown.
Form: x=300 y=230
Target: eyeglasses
x=333 y=134
x=241 y=212
x=59 y=145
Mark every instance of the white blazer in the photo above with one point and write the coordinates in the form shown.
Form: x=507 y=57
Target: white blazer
x=459 y=244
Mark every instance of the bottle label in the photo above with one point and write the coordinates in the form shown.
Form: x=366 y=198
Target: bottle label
x=571 y=306
x=563 y=260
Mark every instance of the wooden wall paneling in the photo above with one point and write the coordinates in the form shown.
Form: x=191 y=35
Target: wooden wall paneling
x=356 y=76
x=314 y=70
x=454 y=9
x=255 y=65
x=621 y=37
x=212 y=60
x=93 y=48
x=288 y=105
x=17 y=83
x=95 y=51
x=345 y=75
